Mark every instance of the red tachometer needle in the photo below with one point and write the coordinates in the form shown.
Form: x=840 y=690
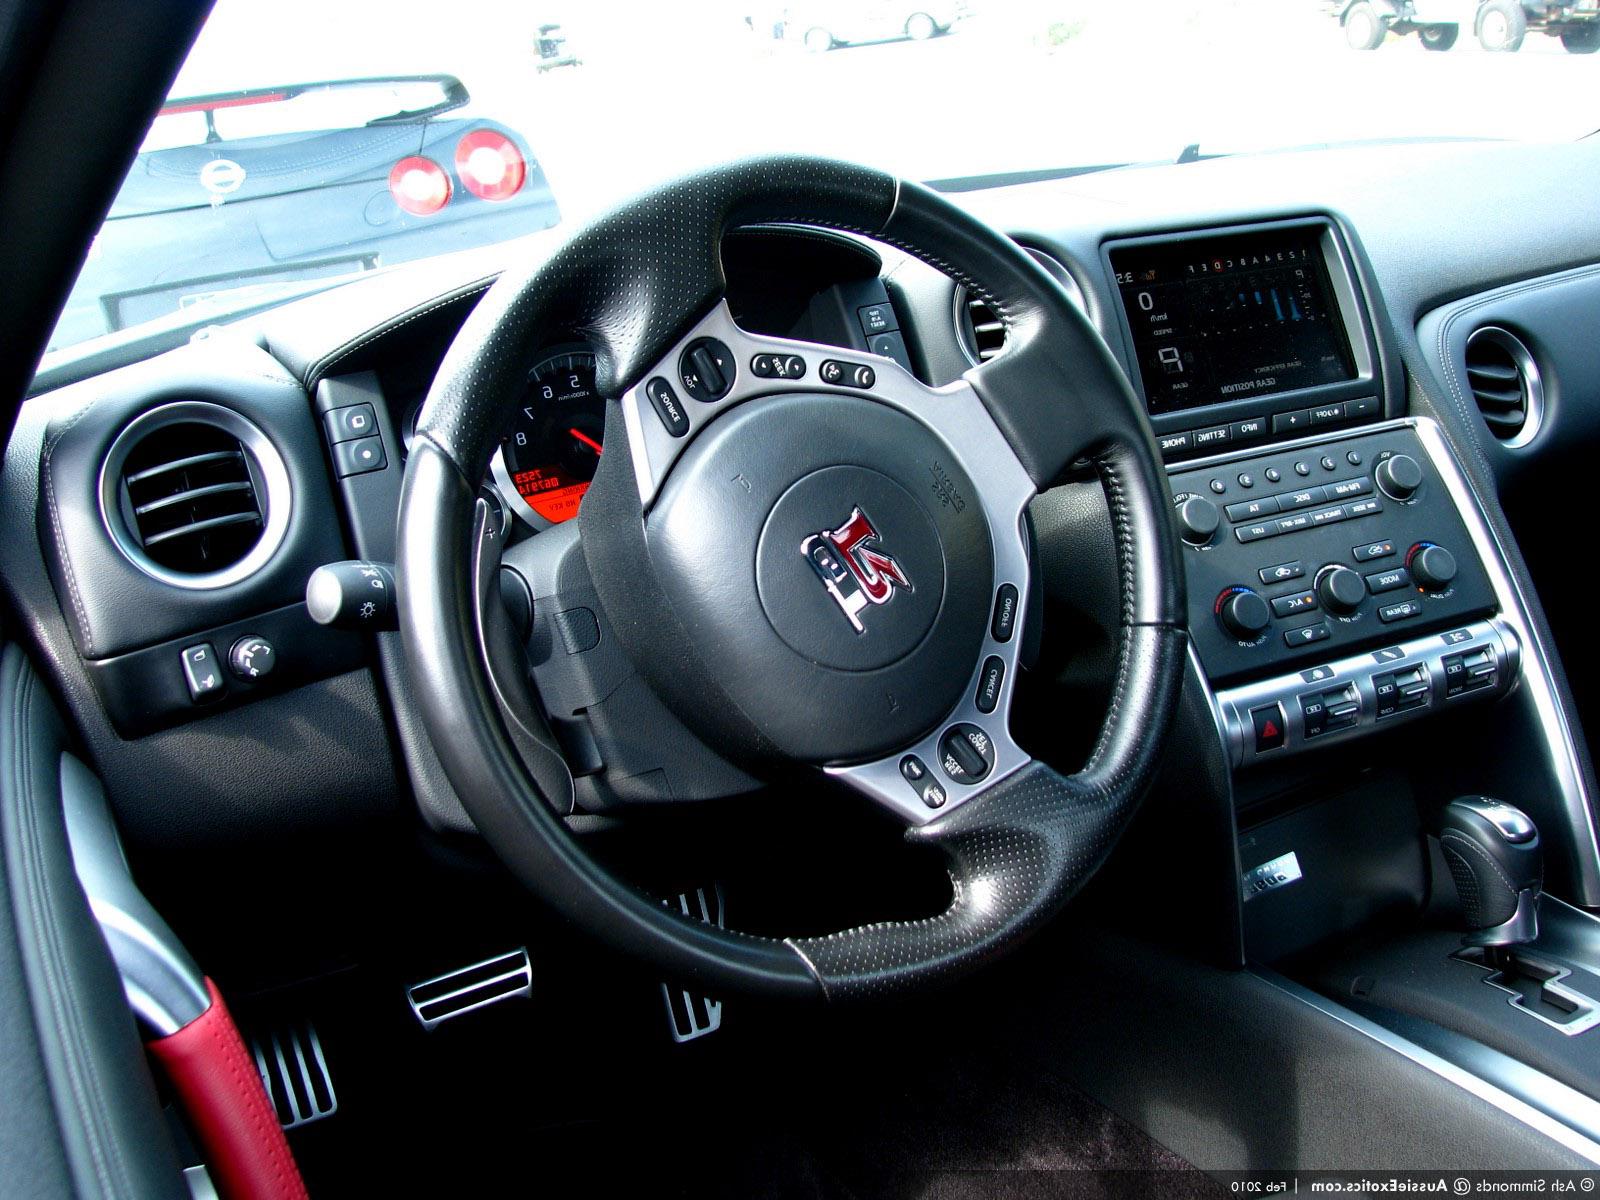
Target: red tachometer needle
x=585 y=439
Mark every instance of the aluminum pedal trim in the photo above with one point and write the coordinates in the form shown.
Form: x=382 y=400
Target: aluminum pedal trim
x=689 y=1015
x=505 y=977
x=296 y=1079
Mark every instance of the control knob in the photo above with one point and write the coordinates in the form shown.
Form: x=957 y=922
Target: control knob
x=1243 y=613
x=1432 y=567
x=1340 y=589
x=1198 y=520
x=1399 y=476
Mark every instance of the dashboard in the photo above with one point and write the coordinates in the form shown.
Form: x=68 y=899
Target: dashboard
x=1267 y=312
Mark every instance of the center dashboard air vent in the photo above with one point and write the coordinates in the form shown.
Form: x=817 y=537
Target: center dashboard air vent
x=195 y=495
x=1503 y=377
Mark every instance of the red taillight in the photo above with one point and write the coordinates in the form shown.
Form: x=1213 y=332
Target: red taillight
x=419 y=185
x=490 y=165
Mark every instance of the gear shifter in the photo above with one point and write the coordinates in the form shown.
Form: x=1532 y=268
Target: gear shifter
x=1492 y=849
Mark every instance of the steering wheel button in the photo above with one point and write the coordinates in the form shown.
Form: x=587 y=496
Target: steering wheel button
x=913 y=768
x=706 y=370
x=933 y=795
x=790 y=366
x=665 y=401
x=762 y=366
x=966 y=753
x=989 y=683
x=1005 y=613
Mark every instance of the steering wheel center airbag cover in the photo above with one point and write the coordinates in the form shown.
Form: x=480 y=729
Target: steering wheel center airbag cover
x=836 y=602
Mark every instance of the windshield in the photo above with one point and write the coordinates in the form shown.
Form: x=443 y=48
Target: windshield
x=308 y=140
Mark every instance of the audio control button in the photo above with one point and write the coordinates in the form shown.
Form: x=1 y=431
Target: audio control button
x=1249 y=510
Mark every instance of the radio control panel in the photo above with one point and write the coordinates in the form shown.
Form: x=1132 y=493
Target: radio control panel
x=1306 y=553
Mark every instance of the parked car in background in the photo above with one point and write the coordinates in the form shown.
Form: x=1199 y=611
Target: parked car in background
x=1499 y=25
x=824 y=24
x=235 y=189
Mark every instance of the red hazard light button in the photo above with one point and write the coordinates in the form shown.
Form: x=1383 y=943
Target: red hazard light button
x=1268 y=723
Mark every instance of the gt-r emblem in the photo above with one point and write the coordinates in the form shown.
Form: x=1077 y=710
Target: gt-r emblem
x=854 y=572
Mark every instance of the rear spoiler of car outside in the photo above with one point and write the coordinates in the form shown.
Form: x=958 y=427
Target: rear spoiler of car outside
x=454 y=96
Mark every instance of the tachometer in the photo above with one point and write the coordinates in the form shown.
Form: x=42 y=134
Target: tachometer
x=554 y=444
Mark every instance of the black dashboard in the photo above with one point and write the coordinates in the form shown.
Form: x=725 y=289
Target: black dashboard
x=1268 y=309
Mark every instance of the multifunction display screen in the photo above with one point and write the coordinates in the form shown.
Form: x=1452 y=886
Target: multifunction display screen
x=1226 y=318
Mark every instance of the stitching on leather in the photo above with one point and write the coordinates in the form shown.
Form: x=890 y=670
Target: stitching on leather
x=62 y=552
x=327 y=362
x=247 y=1083
x=1453 y=837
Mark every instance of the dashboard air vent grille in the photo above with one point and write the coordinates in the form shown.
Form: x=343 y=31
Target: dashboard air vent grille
x=1504 y=380
x=986 y=335
x=190 y=498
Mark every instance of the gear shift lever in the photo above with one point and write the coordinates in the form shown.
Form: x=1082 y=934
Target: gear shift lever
x=1493 y=852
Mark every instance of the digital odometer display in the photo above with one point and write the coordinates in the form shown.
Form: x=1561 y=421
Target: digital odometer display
x=1228 y=318
x=555 y=440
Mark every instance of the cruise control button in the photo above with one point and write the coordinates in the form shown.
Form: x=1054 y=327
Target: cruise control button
x=1388 y=581
x=202 y=672
x=1004 y=621
x=1282 y=573
x=989 y=681
x=1371 y=550
x=665 y=401
x=933 y=795
x=1267 y=721
x=1299 y=602
x=913 y=768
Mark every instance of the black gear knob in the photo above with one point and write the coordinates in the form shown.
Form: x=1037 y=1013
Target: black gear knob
x=1492 y=849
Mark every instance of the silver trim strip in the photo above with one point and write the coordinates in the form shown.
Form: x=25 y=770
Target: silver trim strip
x=521 y=969
x=1559 y=1106
x=164 y=985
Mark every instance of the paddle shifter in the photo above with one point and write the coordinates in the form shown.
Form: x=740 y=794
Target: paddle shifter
x=1493 y=852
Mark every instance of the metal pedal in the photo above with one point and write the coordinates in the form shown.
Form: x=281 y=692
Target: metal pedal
x=690 y=1016
x=457 y=993
x=295 y=1074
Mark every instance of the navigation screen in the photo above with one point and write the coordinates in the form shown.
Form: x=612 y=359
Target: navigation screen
x=1226 y=318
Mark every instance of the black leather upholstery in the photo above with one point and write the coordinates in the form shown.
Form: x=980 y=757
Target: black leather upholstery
x=73 y=1070
x=632 y=285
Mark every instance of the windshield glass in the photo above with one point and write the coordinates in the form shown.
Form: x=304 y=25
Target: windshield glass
x=308 y=140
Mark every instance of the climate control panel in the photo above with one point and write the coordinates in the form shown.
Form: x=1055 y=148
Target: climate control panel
x=1310 y=551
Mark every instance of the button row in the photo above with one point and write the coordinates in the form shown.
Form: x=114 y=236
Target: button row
x=1308 y=520
x=1266 y=506
x=1252 y=429
x=1324 y=415
x=778 y=366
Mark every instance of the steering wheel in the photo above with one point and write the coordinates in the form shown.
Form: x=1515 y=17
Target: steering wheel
x=812 y=557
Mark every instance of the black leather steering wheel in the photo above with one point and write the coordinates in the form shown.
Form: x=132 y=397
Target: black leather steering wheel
x=826 y=568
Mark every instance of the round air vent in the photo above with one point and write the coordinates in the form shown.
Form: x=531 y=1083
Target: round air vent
x=195 y=495
x=978 y=327
x=1504 y=381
